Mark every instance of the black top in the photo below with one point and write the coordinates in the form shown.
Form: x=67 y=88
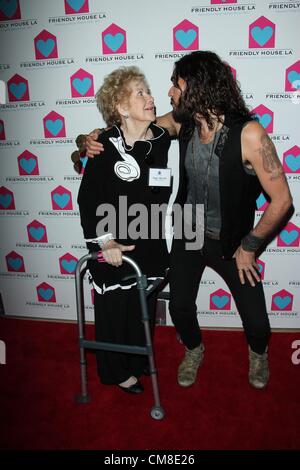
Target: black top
x=239 y=189
x=202 y=169
x=118 y=177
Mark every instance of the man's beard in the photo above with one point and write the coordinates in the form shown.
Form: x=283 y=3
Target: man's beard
x=180 y=113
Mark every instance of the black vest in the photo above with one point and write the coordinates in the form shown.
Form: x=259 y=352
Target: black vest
x=238 y=189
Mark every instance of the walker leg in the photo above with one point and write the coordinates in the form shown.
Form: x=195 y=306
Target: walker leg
x=157 y=412
x=157 y=406
x=84 y=397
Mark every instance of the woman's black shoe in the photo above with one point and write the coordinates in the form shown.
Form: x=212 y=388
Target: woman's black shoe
x=146 y=370
x=135 y=388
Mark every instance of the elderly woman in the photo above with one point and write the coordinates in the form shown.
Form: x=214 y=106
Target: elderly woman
x=117 y=193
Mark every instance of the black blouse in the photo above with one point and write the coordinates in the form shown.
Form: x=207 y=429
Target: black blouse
x=117 y=179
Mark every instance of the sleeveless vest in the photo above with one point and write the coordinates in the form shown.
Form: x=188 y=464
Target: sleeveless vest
x=238 y=189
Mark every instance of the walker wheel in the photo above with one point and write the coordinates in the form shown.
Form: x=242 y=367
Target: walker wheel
x=157 y=412
x=83 y=399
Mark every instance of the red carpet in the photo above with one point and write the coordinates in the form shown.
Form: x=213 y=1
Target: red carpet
x=221 y=411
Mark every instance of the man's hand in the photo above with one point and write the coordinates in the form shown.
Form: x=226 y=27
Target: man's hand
x=92 y=147
x=81 y=142
x=112 y=252
x=247 y=266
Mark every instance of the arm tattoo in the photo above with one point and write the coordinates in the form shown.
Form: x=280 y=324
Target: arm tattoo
x=270 y=159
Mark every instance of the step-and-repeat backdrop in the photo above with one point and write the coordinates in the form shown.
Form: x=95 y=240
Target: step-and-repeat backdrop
x=54 y=55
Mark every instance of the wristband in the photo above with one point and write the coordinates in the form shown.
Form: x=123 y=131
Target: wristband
x=105 y=239
x=251 y=243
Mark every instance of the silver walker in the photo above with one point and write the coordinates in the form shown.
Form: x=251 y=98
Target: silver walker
x=157 y=412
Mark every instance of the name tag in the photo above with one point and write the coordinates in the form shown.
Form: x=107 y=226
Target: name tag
x=159 y=176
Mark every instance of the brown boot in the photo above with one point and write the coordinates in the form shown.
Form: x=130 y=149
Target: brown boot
x=188 y=368
x=258 y=369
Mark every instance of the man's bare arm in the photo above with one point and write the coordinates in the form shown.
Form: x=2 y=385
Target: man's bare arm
x=168 y=122
x=91 y=147
x=260 y=152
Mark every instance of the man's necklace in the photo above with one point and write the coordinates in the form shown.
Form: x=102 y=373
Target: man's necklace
x=207 y=175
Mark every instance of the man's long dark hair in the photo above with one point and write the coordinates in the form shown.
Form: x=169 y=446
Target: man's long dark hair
x=211 y=88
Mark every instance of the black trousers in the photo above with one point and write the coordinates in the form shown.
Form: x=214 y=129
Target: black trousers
x=186 y=269
x=118 y=319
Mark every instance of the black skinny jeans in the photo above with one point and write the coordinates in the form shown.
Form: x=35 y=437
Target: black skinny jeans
x=186 y=269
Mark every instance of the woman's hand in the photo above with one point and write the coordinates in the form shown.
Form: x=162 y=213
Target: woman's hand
x=112 y=252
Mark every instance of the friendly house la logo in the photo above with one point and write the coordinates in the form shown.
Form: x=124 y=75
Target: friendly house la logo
x=54 y=125
x=291 y=160
x=262 y=33
x=185 y=36
x=233 y=71
x=61 y=199
x=76 y=6
x=261 y=268
x=292 y=77
x=28 y=164
x=82 y=84
x=222 y=2
x=261 y=202
x=10 y=10
x=265 y=117
x=15 y=262
x=46 y=293
x=7 y=200
x=2 y=130
x=18 y=89
x=289 y=236
x=67 y=264
x=220 y=300
x=282 y=300
x=114 y=40
x=45 y=46
x=37 y=232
